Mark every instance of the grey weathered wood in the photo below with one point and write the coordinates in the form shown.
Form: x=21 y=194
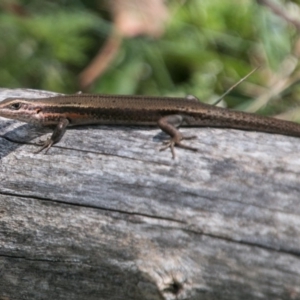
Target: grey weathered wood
x=106 y=216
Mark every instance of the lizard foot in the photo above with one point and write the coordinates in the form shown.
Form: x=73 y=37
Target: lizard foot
x=45 y=145
x=175 y=142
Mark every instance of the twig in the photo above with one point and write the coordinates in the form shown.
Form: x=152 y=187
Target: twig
x=235 y=85
x=101 y=61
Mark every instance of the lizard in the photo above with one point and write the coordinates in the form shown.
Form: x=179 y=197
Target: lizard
x=168 y=113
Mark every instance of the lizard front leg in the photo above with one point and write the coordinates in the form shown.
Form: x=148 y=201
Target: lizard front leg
x=56 y=136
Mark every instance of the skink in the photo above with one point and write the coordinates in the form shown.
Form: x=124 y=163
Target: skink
x=165 y=112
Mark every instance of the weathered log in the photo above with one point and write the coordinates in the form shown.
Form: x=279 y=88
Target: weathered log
x=104 y=215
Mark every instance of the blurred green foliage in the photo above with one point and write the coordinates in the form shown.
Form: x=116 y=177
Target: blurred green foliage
x=208 y=45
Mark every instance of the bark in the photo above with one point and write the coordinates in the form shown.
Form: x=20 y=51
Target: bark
x=105 y=215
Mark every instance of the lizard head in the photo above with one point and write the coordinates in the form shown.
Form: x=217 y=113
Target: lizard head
x=19 y=109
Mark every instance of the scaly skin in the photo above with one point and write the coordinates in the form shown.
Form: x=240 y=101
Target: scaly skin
x=167 y=113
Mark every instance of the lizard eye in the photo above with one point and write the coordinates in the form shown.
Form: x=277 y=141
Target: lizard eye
x=15 y=105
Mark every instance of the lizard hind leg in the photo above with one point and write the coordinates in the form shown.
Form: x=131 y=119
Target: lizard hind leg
x=192 y=98
x=169 y=125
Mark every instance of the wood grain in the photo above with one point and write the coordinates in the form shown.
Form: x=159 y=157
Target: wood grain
x=105 y=215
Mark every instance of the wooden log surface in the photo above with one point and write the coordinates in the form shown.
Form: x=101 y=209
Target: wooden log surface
x=105 y=215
